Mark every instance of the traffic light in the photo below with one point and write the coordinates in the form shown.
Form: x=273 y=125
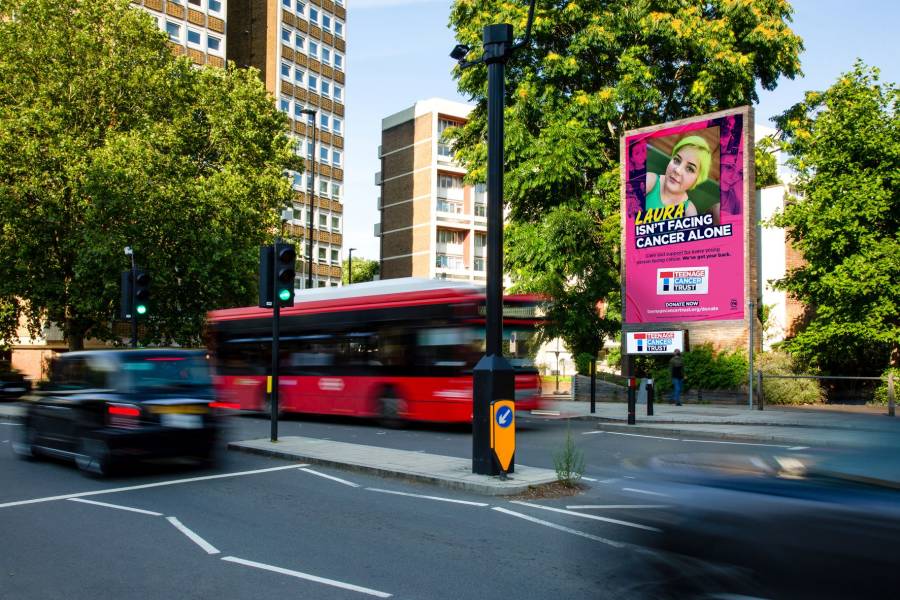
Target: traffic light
x=266 y=258
x=141 y=291
x=126 y=298
x=285 y=271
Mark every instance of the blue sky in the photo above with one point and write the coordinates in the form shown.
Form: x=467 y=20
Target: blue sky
x=398 y=54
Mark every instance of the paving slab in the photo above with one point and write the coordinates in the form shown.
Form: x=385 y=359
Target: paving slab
x=444 y=471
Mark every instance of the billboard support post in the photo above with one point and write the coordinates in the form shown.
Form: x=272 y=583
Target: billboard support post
x=750 y=354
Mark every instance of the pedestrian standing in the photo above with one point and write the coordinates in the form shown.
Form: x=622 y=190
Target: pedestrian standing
x=676 y=367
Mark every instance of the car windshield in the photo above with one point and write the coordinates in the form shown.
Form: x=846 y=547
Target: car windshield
x=165 y=373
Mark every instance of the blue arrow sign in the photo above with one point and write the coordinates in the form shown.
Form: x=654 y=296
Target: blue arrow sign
x=504 y=416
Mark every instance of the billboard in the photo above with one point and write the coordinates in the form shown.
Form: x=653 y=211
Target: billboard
x=685 y=201
x=654 y=342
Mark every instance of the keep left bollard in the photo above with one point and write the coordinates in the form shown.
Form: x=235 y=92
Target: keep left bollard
x=632 y=382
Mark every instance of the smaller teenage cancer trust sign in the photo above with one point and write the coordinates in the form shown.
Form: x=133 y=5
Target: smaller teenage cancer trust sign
x=684 y=246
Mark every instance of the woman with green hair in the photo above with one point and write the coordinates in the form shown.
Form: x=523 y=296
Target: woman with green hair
x=688 y=168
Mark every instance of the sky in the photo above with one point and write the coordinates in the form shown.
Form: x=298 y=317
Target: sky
x=398 y=53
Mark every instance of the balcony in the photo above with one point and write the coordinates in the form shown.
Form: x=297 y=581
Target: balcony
x=378 y=178
x=377 y=231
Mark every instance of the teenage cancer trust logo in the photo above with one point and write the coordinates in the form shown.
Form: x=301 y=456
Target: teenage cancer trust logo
x=691 y=280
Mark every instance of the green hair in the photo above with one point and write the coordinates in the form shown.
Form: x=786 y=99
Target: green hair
x=703 y=155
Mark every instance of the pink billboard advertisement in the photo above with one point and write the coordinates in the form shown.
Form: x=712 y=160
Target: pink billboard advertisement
x=684 y=221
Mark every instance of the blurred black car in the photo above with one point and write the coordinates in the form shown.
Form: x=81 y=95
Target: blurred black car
x=13 y=384
x=779 y=527
x=105 y=408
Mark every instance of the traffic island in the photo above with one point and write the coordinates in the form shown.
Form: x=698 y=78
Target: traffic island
x=443 y=471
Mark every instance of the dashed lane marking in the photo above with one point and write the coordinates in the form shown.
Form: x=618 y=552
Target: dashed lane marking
x=210 y=549
x=583 y=534
x=584 y=516
x=307 y=576
x=117 y=506
x=649 y=493
x=438 y=498
x=331 y=477
x=148 y=485
x=609 y=506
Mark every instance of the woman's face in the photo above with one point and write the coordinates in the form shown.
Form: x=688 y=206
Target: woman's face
x=681 y=174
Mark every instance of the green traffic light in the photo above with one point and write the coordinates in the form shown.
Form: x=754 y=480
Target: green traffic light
x=284 y=295
x=141 y=309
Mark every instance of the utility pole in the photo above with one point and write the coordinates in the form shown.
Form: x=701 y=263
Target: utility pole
x=311 y=187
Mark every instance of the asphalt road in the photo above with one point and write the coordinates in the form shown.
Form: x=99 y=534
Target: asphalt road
x=255 y=527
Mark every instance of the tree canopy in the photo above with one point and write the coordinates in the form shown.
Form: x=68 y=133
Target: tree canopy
x=363 y=270
x=106 y=141
x=593 y=70
x=844 y=144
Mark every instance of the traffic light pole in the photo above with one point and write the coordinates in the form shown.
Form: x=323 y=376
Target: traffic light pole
x=276 y=316
x=134 y=329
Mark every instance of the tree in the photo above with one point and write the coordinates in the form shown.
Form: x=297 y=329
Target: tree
x=363 y=270
x=593 y=70
x=844 y=144
x=766 y=165
x=107 y=140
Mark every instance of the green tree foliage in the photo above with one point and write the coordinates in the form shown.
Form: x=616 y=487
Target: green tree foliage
x=766 y=165
x=845 y=146
x=705 y=369
x=107 y=140
x=593 y=70
x=363 y=270
x=786 y=391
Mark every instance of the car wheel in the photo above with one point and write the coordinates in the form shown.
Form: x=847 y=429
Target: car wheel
x=93 y=456
x=26 y=446
x=391 y=408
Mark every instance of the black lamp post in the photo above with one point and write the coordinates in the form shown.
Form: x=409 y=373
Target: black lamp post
x=493 y=376
x=312 y=179
x=350 y=265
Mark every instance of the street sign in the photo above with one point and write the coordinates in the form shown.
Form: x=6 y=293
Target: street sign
x=503 y=432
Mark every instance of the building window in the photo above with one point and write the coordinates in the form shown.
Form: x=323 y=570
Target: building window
x=323 y=191
x=215 y=6
x=286 y=70
x=449 y=261
x=336 y=125
x=449 y=182
x=286 y=36
x=314 y=15
x=335 y=259
x=338 y=92
x=335 y=224
x=299 y=41
x=480 y=242
x=286 y=3
x=298 y=183
x=312 y=82
x=326 y=22
x=479 y=263
x=326 y=55
x=336 y=158
x=213 y=43
x=446 y=206
x=338 y=62
x=326 y=88
x=321 y=283
x=323 y=154
x=335 y=190
x=194 y=2
x=450 y=236
x=298 y=76
x=285 y=105
x=301 y=6
x=323 y=120
x=443 y=124
x=313 y=49
x=323 y=223
x=309 y=150
x=193 y=36
x=334 y=284
x=444 y=151
x=174 y=31
x=480 y=209
x=338 y=28
x=322 y=254
x=298 y=112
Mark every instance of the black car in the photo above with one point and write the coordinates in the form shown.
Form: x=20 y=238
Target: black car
x=105 y=408
x=13 y=384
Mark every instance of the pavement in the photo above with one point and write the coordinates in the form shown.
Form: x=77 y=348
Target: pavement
x=818 y=428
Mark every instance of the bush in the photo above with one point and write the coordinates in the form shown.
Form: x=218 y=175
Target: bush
x=583 y=363
x=881 y=392
x=704 y=369
x=786 y=391
x=569 y=462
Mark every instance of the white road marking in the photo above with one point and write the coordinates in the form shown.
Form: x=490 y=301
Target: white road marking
x=467 y=502
x=655 y=437
x=118 y=506
x=584 y=516
x=331 y=477
x=649 y=493
x=549 y=413
x=591 y=432
x=591 y=479
x=596 y=538
x=798 y=447
x=734 y=443
x=210 y=549
x=148 y=485
x=606 y=506
x=610 y=480
x=308 y=577
x=10 y=424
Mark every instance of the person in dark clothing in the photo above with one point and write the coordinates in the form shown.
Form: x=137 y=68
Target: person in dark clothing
x=676 y=367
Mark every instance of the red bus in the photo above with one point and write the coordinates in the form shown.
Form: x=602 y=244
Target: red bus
x=397 y=350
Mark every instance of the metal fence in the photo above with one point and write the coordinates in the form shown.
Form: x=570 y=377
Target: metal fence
x=838 y=394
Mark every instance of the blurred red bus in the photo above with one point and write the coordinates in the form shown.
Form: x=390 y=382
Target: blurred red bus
x=400 y=349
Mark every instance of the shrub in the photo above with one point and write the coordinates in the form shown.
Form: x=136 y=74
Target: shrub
x=881 y=392
x=583 y=363
x=786 y=391
x=704 y=368
x=569 y=462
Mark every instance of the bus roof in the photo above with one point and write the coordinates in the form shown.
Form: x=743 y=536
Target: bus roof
x=372 y=294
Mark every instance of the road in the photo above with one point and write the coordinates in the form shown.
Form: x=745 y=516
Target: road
x=256 y=527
